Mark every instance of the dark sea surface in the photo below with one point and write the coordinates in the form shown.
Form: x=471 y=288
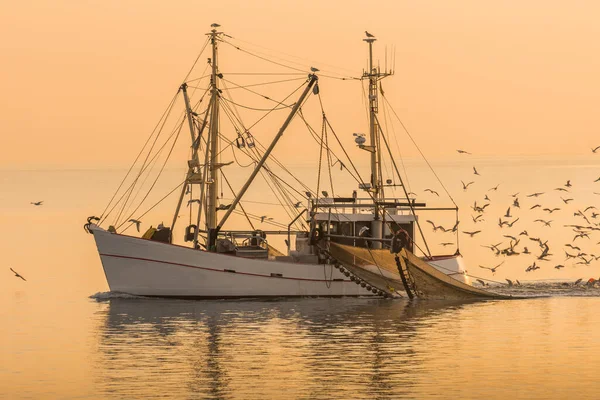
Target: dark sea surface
x=63 y=335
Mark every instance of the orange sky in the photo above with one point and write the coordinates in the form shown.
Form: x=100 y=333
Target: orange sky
x=83 y=83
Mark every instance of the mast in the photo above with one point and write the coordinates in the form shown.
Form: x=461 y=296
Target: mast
x=374 y=75
x=212 y=167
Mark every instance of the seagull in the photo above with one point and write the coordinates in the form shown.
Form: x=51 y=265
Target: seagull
x=432 y=192
x=325 y=193
x=463 y=152
x=223 y=207
x=546 y=223
x=535 y=206
x=589 y=208
x=566 y=201
x=596 y=149
x=297 y=205
x=475 y=171
x=559 y=266
x=369 y=35
x=507 y=215
x=492 y=269
x=577 y=281
x=482 y=282
x=37 y=203
x=465 y=187
x=526 y=250
x=476 y=219
x=516 y=203
x=597 y=180
x=551 y=210
x=560 y=189
x=535 y=194
x=510 y=224
x=136 y=222
x=510 y=284
x=17 y=274
x=568 y=184
x=573 y=247
x=214 y=25
x=262 y=218
x=471 y=233
x=494 y=188
x=486 y=198
x=524 y=233
x=313 y=69
x=515 y=195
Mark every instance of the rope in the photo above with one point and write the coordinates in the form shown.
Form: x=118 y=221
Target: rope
x=420 y=152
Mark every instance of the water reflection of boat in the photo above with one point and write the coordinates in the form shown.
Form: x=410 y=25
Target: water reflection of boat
x=220 y=348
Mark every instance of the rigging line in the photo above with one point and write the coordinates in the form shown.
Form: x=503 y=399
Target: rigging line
x=291 y=55
x=255 y=109
x=197 y=58
x=258 y=156
x=385 y=113
x=240 y=203
x=197 y=79
x=422 y=155
x=255 y=202
x=359 y=180
x=236 y=160
x=143 y=168
x=277 y=191
x=263 y=58
x=171 y=103
x=320 y=158
x=266 y=73
x=267 y=83
x=260 y=94
x=257 y=218
x=158 y=176
x=144 y=164
x=410 y=205
x=472 y=276
x=155 y=204
x=153 y=162
x=315 y=137
x=328 y=161
x=291 y=200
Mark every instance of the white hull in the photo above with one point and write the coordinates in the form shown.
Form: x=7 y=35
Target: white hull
x=149 y=268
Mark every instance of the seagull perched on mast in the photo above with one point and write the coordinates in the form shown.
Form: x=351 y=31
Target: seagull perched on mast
x=313 y=69
x=369 y=35
x=214 y=25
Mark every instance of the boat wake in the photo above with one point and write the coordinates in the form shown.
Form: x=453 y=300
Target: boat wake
x=545 y=289
x=102 y=296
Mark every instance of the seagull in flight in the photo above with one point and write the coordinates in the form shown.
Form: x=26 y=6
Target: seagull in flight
x=17 y=275
x=535 y=194
x=465 y=187
x=136 y=222
x=596 y=149
x=493 y=269
x=475 y=171
x=37 y=203
x=369 y=35
x=432 y=192
x=363 y=230
x=546 y=223
x=507 y=215
x=566 y=201
x=568 y=184
x=462 y=152
x=494 y=188
x=471 y=233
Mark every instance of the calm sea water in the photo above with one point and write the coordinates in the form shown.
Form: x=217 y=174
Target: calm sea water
x=63 y=335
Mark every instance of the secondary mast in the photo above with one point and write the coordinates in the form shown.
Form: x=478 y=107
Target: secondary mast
x=212 y=167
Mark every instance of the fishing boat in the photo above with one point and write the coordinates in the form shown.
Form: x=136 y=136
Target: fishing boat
x=218 y=260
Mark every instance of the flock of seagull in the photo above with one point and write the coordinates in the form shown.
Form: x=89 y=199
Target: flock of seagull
x=585 y=224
